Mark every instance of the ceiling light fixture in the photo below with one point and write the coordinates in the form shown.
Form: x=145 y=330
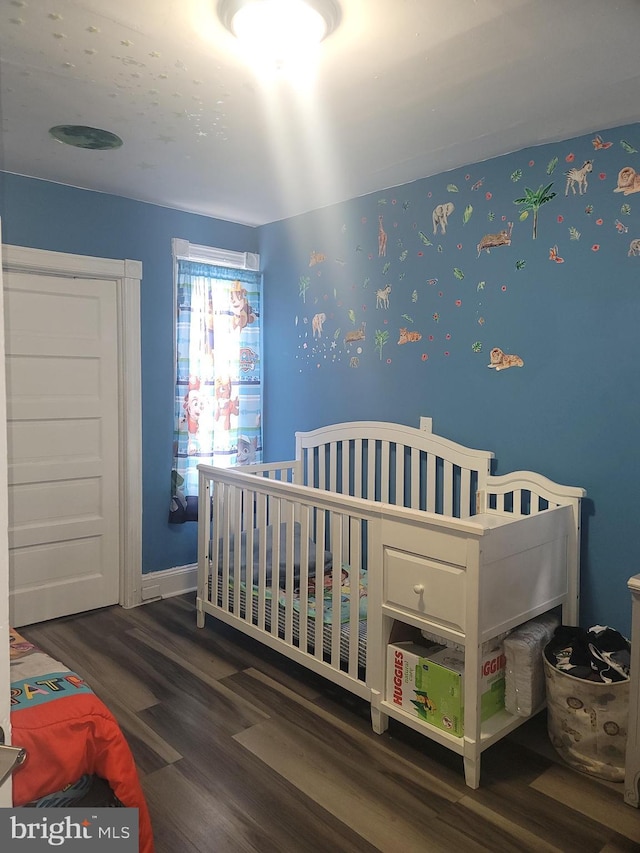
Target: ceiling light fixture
x=280 y=30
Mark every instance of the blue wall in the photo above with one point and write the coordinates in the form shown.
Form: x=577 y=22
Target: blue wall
x=571 y=411
x=567 y=303
x=42 y=215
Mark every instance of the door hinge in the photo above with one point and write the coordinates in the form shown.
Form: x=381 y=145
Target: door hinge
x=10 y=757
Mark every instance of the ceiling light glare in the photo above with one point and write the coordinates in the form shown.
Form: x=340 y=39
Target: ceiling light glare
x=279 y=31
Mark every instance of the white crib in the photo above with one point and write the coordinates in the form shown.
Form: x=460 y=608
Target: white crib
x=405 y=521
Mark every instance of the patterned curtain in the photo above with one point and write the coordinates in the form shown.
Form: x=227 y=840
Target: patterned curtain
x=218 y=392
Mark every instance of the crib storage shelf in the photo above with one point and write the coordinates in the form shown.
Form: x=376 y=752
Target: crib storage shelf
x=491 y=731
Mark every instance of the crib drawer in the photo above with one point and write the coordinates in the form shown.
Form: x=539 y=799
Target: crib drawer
x=425 y=587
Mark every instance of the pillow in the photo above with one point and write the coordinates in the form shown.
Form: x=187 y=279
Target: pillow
x=324 y=568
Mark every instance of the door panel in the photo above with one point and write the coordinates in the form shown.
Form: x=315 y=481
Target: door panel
x=62 y=416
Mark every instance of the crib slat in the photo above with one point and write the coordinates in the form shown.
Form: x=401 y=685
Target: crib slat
x=333 y=467
x=319 y=538
x=235 y=517
x=465 y=492
x=399 y=495
x=415 y=478
x=517 y=501
x=226 y=532
x=346 y=466
x=304 y=575
x=357 y=468
x=337 y=547
x=370 y=492
x=308 y=467
x=223 y=534
x=355 y=565
x=275 y=519
x=248 y=527
x=323 y=456
x=287 y=515
x=214 y=543
x=384 y=472
x=431 y=483
x=447 y=487
x=261 y=523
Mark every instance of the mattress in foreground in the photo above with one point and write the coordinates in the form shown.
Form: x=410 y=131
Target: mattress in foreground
x=69 y=734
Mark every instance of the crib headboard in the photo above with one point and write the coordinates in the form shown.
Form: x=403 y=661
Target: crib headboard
x=393 y=463
x=416 y=468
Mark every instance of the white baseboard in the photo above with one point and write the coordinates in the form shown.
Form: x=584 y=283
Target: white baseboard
x=169 y=582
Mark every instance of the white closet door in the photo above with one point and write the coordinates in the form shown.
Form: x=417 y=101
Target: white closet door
x=62 y=433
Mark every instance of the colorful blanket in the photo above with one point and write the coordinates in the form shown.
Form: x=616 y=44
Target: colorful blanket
x=68 y=733
x=322 y=599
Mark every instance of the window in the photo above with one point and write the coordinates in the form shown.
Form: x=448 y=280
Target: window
x=218 y=384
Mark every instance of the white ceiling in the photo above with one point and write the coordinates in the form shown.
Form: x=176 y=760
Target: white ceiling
x=404 y=89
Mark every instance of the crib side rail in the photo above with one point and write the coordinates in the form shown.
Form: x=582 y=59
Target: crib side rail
x=278 y=558
x=286 y=472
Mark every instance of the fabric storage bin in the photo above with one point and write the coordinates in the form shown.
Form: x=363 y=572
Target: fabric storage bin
x=587 y=722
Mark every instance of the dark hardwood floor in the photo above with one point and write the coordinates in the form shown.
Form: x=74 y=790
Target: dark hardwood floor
x=240 y=750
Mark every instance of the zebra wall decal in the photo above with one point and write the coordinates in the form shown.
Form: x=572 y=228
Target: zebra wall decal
x=579 y=177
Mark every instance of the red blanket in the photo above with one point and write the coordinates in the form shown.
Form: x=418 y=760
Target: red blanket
x=68 y=732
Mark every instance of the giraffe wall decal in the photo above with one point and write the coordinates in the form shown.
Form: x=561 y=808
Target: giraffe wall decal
x=382 y=239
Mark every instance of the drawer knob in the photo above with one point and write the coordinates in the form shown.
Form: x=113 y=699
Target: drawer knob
x=418 y=588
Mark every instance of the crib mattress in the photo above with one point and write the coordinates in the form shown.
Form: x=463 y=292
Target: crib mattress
x=327 y=628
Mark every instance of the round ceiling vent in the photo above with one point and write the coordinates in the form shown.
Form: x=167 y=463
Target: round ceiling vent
x=81 y=136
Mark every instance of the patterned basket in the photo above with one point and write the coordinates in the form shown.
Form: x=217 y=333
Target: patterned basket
x=587 y=722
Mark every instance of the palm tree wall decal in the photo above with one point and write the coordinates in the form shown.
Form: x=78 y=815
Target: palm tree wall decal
x=381 y=339
x=304 y=285
x=533 y=201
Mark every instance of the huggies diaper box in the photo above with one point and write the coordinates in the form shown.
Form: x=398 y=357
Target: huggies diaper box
x=427 y=682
